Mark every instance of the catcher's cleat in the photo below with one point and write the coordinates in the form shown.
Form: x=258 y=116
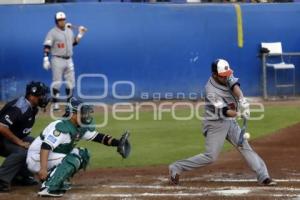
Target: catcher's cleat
x=45 y=193
x=66 y=186
x=269 y=182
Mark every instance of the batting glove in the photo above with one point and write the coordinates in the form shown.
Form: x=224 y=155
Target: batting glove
x=46 y=63
x=245 y=108
x=244 y=103
x=81 y=31
x=246 y=113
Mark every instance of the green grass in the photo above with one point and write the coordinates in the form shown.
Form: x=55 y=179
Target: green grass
x=162 y=142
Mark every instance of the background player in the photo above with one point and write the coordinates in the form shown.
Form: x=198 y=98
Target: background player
x=53 y=155
x=59 y=43
x=222 y=96
x=17 y=118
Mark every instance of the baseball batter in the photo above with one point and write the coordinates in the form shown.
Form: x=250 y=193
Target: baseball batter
x=223 y=96
x=53 y=155
x=59 y=43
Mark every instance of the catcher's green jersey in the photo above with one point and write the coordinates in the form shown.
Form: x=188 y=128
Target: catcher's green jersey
x=63 y=135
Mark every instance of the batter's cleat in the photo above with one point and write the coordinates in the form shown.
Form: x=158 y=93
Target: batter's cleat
x=45 y=193
x=174 y=177
x=174 y=180
x=269 y=182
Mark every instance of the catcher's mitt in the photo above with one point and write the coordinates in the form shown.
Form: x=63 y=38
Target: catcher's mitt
x=124 y=146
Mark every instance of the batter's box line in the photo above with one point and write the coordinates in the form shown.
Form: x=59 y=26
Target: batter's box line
x=244 y=180
x=140 y=195
x=157 y=187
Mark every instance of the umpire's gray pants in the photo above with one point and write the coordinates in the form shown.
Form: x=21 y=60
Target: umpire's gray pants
x=15 y=162
x=216 y=132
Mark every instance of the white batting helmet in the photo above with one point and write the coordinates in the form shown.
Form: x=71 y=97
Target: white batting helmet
x=222 y=68
x=60 y=16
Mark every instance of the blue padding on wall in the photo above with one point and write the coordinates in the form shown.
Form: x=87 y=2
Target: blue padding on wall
x=159 y=47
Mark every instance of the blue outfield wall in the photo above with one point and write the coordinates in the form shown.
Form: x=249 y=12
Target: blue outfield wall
x=159 y=47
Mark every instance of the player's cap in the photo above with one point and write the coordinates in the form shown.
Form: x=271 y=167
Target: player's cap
x=221 y=67
x=60 y=16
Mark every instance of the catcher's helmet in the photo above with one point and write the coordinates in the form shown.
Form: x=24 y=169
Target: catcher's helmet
x=221 y=68
x=77 y=106
x=38 y=89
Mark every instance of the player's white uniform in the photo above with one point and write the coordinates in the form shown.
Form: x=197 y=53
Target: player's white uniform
x=54 y=139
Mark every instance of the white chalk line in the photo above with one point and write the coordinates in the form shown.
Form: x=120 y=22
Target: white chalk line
x=200 y=188
x=180 y=194
x=122 y=195
x=252 y=180
x=230 y=180
x=189 y=191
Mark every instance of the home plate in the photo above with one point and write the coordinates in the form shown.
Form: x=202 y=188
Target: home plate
x=231 y=192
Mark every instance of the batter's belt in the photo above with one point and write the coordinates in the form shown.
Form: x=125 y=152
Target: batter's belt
x=64 y=57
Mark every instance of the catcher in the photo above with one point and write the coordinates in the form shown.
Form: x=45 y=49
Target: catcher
x=53 y=155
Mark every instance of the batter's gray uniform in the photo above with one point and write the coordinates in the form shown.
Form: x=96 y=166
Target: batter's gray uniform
x=61 y=43
x=216 y=129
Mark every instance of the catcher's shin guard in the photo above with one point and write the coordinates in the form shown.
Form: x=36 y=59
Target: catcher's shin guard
x=71 y=164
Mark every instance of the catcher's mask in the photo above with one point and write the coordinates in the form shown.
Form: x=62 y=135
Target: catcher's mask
x=83 y=111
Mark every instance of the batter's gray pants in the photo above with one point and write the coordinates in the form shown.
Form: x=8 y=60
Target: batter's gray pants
x=216 y=132
x=62 y=68
x=15 y=162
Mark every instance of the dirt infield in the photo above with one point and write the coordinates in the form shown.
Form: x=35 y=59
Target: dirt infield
x=229 y=178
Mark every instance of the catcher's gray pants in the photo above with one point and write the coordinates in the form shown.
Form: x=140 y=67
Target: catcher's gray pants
x=62 y=68
x=216 y=132
x=15 y=161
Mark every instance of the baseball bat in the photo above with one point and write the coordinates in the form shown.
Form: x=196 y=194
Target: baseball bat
x=243 y=131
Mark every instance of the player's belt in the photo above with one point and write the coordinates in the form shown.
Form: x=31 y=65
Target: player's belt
x=64 y=57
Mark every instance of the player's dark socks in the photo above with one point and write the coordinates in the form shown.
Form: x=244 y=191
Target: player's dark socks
x=69 y=93
x=115 y=142
x=54 y=93
x=106 y=140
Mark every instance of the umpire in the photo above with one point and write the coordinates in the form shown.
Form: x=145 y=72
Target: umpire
x=16 y=121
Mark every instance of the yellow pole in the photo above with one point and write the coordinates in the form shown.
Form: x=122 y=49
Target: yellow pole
x=239 y=20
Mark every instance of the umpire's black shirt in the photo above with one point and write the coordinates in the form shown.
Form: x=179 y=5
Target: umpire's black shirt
x=19 y=116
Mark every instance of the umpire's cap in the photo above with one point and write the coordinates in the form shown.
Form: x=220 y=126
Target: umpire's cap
x=37 y=89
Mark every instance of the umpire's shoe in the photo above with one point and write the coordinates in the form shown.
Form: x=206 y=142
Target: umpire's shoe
x=4 y=187
x=25 y=181
x=269 y=182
